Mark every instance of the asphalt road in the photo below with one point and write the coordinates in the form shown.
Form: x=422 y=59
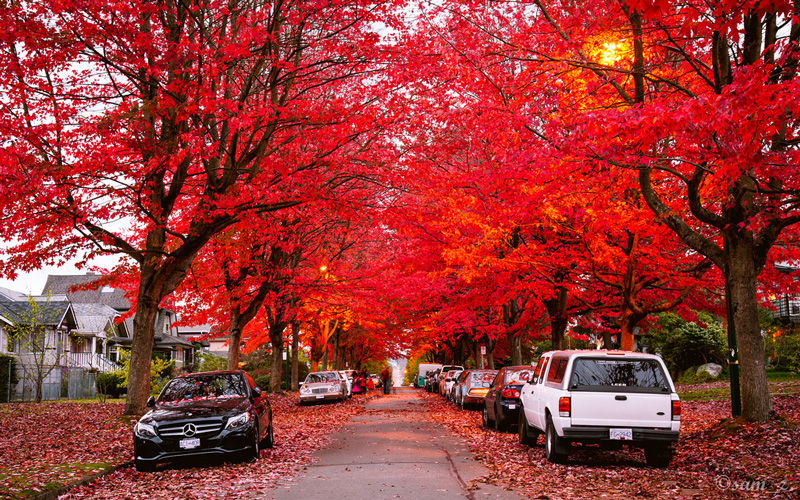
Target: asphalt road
x=392 y=451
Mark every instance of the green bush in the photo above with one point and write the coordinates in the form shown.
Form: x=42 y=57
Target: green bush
x=8 y=373
x=686 y=344
x=110 y=384
x=692 y=376
x=262 y=381
x=207 y=362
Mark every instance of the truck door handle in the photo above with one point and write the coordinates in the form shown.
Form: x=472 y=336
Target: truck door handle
x=621 y=398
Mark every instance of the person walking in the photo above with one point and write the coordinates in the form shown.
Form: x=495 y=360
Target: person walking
x=386 y=379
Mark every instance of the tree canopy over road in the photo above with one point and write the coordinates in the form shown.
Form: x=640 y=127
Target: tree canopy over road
x=392 y=175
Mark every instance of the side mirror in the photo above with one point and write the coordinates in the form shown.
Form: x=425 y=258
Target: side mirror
x=151 y=402
x=257 y=392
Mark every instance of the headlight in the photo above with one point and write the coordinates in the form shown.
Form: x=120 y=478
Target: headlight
x=305 y=390
x=144 y=430
x=238 y=421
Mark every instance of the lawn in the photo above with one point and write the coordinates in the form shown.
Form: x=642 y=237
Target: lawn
x=46 y=445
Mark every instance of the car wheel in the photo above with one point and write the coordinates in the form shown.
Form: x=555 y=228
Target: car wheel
x=255 y=451
x=269 y=439
x=525 y=435
x=499 y=425
x=658 y=456
x=144 y=465
x=486 y=422
x=554 y=446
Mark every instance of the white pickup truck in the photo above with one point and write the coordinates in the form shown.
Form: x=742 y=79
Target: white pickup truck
x=608 y=398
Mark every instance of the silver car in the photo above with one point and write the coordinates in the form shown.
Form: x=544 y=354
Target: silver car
x=323 y=386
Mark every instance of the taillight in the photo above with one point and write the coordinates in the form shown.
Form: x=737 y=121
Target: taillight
x=564 y=405
x=510 y=393
x=676 y=409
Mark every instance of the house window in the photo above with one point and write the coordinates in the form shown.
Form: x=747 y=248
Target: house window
x=13 y=343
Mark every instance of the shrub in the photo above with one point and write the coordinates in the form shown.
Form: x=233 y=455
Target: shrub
x=110 y=384
x=683 y=344
x=207 y=362
x=8 y=377
x=262 y=381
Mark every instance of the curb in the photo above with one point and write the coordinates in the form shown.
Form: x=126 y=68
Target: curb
x=84 y=481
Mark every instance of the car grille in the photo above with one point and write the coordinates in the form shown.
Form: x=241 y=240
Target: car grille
x=201 y=428
x=320 y=390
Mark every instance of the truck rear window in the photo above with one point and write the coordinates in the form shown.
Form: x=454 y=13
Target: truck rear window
x=632 y=375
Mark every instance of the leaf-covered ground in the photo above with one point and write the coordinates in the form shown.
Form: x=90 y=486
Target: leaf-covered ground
x=44 y=446
x=49 y=444
x=716 y=458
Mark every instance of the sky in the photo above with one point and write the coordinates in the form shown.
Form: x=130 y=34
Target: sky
x=33 y=283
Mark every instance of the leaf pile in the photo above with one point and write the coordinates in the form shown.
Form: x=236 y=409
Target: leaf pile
x=716 y=458
x=299 y=432
x=54 y=443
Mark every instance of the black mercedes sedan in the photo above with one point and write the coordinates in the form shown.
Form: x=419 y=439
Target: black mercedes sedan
x=219 y=413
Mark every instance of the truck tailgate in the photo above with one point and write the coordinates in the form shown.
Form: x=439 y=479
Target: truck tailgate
x=621 y=409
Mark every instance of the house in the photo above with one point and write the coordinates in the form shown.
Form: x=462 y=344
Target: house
x=787 y=305
x=39 y=332
x=115 y=304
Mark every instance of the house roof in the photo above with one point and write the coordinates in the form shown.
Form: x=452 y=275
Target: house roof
x=94 y=318
x=62 y=284
x=8 y=294
x=162 y=341
x=52 y=313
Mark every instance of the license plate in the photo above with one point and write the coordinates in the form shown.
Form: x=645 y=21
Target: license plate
x=188 y=444
x=621 y=434
x=512 y=407
x=320 y=396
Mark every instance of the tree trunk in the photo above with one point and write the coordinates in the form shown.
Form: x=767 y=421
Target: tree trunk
x=557 y=311
x=235 y=340
x=756 y=404
x=295 y=355
x=276 y=339
x=141 y=351
x=627 y=324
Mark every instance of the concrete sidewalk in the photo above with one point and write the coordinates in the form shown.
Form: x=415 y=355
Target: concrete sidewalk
x=393 y=451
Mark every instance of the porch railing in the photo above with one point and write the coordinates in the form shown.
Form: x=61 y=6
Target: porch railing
x=92 y=360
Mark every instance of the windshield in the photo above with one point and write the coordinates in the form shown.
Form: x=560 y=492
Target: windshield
x=481 y=378
x=616 y=374
x=317 y=377
x=518 y=377
x=200 y=386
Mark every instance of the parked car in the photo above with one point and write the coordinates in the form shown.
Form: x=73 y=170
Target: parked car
x=432 y=380
x=448 y=381
x=376 y=380
x=423 y=370
x=471 y=387
x=348 y=378
x=610 y=398
x=439 y=384
x=219 y=413
x=323 y=386
x=501 y=403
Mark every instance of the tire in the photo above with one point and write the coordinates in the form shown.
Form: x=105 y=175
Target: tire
x=555 y=449
x=499 y=424
x=525 y=435
x=144 y=465
x=269 y=439
x=486 y=422
x=254 y=453
x=658 y=456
